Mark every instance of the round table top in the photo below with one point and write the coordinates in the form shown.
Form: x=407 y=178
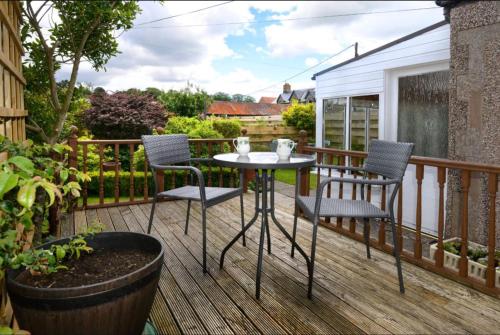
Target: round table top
x=264 y=160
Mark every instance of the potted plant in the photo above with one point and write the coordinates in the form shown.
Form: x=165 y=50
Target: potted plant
x=103 y=283
x=477 y=255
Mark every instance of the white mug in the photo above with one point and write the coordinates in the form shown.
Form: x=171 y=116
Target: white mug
x=285 y=147
x=242 y=145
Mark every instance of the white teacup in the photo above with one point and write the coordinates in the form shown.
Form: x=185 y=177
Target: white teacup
x=242 y=145
x=285 y=147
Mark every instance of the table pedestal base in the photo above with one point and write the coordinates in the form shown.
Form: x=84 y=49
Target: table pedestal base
x=266 y=209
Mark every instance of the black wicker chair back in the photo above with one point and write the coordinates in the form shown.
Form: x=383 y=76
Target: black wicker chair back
x=166 y=149
x=388 y=159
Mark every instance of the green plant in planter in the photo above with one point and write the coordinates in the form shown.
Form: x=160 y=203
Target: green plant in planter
x=46 y=261
x=32 y=183
x=479 y=255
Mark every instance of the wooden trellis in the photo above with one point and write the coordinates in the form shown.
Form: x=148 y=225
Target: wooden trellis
x=12 y=112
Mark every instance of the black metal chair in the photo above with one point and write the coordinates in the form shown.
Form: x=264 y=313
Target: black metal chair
x=163 y=152
x=386 y=159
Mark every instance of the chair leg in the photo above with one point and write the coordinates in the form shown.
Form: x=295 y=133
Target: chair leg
x=204 y=227
x=187 y=217
x=294 y=232
x=242 y=219
x=150 y=224
x=366 y=233
x=396 y=254
x=313 y=254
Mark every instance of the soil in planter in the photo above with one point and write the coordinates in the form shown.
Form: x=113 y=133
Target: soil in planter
x=99 y=266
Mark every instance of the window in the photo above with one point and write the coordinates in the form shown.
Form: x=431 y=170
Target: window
x=423 y=113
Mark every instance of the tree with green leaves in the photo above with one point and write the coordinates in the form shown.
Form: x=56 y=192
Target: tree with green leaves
x=242 y=98
x=84 y=31
x=190 y=101
x=222 y=96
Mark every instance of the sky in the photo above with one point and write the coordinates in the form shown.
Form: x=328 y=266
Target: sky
x=250 y=47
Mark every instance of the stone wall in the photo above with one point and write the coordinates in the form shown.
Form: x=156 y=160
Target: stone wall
x=474 y=111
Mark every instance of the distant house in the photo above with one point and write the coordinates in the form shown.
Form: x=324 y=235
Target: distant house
x=239 y=109
x=302 y=96
x=267 y=100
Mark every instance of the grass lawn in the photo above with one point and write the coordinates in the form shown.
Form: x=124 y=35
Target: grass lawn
x=288 y=177
x=95 y=200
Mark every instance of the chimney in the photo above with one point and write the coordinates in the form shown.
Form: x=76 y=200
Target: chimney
x=287 y=88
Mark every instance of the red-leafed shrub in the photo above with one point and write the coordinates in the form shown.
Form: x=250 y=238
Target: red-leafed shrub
x=123 y=116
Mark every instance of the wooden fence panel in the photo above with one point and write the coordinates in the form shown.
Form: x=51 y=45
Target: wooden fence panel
x=266 y=131
x=12 y=112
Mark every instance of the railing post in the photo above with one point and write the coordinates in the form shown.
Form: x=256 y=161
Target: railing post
x=304 y=173
x=492 y=192
x=73 y=143
x=463 y=262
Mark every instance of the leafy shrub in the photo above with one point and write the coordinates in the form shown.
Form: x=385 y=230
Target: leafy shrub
x=189 y=101
x=227 y=127
x=196 y=128
x=300 y=116
x=123 y=116
x=204 y=129
x=181 y=125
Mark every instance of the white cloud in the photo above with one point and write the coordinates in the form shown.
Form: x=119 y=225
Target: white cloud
x=311 y=61
x=168 y=58
x=329 y=35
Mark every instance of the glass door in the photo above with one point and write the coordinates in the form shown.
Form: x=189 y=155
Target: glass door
x=363 y=121
x=334 y=115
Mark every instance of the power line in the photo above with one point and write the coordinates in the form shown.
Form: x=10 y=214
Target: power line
x=303 y=71
x=182 y=14
x=283 y=20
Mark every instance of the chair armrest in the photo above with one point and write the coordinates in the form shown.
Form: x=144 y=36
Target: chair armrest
x=359 y=181
x=196 y=171
x=340 y=167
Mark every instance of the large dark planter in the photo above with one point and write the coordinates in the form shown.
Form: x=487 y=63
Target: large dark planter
x=118 y=306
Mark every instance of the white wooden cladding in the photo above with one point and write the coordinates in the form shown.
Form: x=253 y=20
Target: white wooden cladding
x=366 y=75
x=12 y=111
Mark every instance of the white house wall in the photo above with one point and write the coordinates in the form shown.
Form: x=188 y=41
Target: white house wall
x=367 y=75
x=378 y=74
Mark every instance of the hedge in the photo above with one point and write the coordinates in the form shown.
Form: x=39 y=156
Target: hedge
x=124 y=181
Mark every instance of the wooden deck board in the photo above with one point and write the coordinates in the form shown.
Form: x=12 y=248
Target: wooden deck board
x=351 y=293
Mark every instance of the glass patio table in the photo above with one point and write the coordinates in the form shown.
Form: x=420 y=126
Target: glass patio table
x=262 y=163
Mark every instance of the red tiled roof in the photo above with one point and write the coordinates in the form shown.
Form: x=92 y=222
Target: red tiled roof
x=267 y=100
x=245 y=108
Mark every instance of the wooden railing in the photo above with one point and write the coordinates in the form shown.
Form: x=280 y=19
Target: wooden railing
x=79 y=158
x=456 y=177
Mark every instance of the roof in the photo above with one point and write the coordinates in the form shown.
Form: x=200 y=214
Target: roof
x=300 y=95
x=244 y=108
x=267 y=100
x=385 y=46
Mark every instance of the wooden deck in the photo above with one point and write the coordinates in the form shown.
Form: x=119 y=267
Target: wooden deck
x=351 y=294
